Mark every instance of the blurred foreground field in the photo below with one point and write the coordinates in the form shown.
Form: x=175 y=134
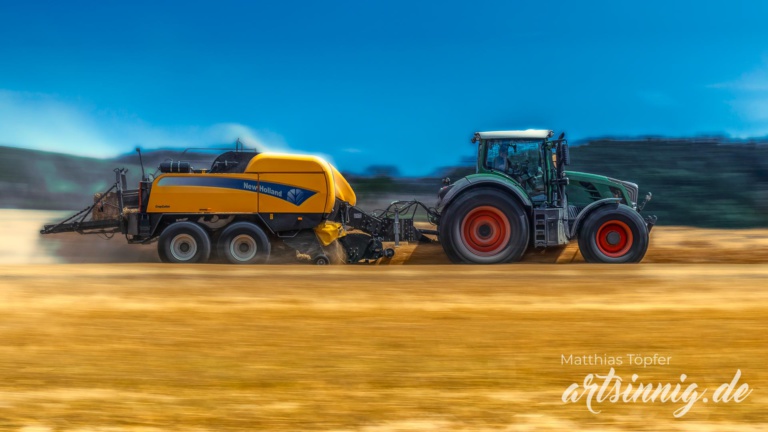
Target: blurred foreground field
x=151 y=347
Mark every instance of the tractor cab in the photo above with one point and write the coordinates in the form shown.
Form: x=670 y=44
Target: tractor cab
x=522 y=161
x=526 y=157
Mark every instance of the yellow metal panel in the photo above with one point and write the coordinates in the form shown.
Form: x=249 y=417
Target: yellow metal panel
x=284 y=163
x=272 y=184
x=293 y=193
x=342 y=188
x=294 y=165
x=204 y=193
x=327 y=232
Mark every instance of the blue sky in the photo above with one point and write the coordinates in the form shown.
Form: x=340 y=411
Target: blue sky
x=375 y=82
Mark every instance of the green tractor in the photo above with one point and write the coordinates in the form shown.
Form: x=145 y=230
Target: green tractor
x=522 y=197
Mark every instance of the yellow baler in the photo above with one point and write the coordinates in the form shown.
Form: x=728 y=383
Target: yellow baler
x=240 y=206
x=287 y=192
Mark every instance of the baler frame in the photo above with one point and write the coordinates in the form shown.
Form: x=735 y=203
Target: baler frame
x=78 y=223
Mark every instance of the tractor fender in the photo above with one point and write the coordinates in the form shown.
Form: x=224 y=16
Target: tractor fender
x=466 y=184
x=589 y=209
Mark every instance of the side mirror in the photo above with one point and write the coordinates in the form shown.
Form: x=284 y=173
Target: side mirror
x=645 y=201
x=564 y=157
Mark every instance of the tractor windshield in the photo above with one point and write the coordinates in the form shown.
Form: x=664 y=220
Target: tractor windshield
x=520 y=160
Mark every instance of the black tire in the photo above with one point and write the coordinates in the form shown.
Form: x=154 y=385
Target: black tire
x=184 y=242
x=613 y=235
x=484 y=226
x=322 y=260
x=244 y=243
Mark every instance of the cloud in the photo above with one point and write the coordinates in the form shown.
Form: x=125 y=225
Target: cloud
x=44 y=122
x=748 y=97
x=754 y=108
x=753 y=81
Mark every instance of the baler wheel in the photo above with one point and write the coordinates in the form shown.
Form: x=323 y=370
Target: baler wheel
x=184 y=242
x=244 y=243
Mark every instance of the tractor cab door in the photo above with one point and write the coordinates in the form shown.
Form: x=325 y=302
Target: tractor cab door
x=521 y=161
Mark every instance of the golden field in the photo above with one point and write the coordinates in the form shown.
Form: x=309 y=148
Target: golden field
x=150 y=347
x=122 y=343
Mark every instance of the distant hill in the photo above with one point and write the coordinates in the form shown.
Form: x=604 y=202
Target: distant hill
x=51 y=181
x=705 y=182
x=56 y=181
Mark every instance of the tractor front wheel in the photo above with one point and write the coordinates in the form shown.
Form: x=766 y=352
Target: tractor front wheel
x=613 y=235
x=484 y=226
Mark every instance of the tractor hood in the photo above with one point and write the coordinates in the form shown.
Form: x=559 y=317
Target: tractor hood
x=585 y=188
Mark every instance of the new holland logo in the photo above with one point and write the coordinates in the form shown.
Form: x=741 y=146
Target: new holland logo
x=292 y=194
x=296 y=196
x=266 y=188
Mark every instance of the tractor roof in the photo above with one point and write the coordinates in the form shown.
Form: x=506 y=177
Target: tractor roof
x=516 y=134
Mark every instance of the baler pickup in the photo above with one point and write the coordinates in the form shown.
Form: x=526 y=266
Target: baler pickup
x=104 y=216
x=84 y=227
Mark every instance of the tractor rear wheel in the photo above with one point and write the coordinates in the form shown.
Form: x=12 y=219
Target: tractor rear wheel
x=184 y=242
x=244 y=243
x=613 y=235
x=484 y=226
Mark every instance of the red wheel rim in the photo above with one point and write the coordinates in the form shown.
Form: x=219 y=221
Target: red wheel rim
x=614 y=238
x=485 y=231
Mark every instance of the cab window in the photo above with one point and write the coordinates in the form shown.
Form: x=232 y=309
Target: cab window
x=520 y=160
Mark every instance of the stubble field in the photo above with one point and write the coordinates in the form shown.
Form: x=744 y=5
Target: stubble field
x=140 y=346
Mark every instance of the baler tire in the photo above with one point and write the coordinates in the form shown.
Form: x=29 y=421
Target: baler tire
x=613 y=235
x=485 y=226
x=245 y=234
x=184 y=242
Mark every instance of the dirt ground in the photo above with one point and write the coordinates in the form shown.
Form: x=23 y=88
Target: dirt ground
x=139 y=346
